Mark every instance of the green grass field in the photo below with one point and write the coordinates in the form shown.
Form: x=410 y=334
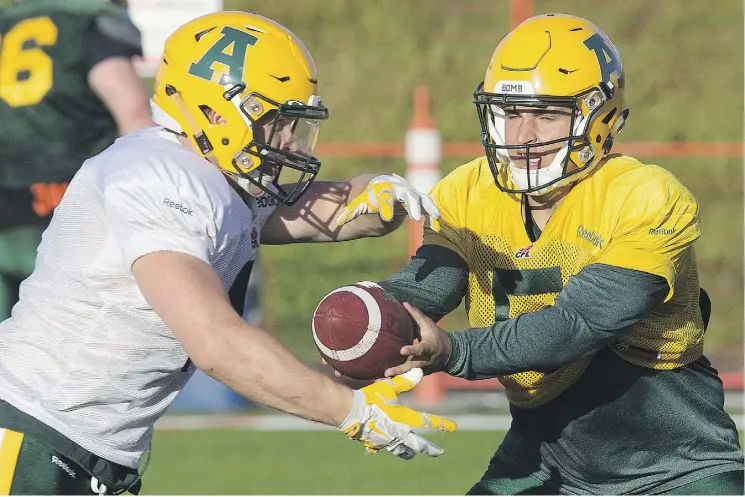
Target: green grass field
x=317 y=463
x=310 y=463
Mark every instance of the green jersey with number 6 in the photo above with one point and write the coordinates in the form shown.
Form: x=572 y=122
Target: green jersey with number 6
x=51 y=120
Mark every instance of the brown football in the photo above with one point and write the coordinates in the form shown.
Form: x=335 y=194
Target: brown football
x=359 y=330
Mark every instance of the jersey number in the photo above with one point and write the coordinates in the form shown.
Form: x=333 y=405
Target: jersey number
x=25 y=69
x=506 y=282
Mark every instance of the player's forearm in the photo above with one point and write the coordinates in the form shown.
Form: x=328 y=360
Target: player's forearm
x=589 y=313
x=539 y=341
x=313 y=218
x=190 y=298
x=433 y=282
x=255 y=365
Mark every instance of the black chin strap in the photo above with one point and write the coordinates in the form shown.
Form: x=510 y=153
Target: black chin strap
x=531 y=228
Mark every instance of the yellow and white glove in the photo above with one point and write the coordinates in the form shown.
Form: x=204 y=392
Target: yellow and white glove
x=380 y=421
x=380 y=196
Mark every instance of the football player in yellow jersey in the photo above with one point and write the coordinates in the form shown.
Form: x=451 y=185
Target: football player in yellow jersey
x=581 y=284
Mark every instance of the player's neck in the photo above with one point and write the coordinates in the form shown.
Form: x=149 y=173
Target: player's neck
x=542 y=207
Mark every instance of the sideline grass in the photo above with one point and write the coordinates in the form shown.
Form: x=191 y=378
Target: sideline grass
x=317 y=463
x=220 y=462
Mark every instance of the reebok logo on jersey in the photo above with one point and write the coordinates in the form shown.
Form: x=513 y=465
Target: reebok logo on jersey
x=179 y=207
x=662 y=231
x=62 y=464
x=524 y=253
x=590 y=236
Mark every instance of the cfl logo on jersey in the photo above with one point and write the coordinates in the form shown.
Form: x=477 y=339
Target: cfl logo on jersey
x=514 y=87
x=524 y=253
x=254 y=238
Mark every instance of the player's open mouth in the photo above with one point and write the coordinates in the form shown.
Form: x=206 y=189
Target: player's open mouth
x=520 y=162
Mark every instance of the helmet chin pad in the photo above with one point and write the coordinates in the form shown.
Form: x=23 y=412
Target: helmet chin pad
x=527 y=179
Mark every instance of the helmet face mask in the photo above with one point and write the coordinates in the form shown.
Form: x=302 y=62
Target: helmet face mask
x=282 y=145
x=493 y=110
x=551 y=63
x=261 y=81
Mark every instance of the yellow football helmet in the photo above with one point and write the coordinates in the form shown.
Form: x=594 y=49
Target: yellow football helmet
x=553 y=60
x=261 y=81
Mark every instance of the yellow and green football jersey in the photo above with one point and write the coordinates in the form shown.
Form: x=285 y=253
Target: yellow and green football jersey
x=627 y=214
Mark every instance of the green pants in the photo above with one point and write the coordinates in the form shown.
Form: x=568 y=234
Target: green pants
x=17 y=257
x=29 y=467
x=37 y=460
x=502 y=480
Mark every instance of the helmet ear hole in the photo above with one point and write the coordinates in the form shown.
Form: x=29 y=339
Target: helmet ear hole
x=212 y=116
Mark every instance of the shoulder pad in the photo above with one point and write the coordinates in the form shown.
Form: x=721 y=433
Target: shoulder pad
x=120 y=29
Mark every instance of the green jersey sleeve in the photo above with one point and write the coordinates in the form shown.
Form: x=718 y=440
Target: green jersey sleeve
x=434 y=281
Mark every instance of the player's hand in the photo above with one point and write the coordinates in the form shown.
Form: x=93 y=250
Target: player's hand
x=382 y=195
x=380 y=421
x=430 y=353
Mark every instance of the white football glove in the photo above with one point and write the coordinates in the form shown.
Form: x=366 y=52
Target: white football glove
x=380 y=421
x=380 y=197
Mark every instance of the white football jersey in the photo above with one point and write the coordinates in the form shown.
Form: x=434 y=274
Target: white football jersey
x=83 y=352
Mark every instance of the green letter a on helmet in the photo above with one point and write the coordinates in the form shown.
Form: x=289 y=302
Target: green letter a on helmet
x=229 y=50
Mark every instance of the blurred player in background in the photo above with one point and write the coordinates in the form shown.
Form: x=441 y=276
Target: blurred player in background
x=142 y=274
x=581 y=285
x=67 y=90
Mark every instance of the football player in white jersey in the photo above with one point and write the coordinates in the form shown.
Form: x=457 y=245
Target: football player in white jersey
x=143 y=268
